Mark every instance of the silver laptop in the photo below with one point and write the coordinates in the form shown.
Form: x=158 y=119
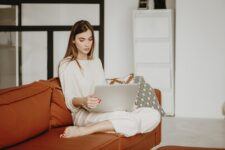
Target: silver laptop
x=115 y=97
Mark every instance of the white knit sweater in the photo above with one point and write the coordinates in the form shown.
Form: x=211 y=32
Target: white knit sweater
x=78 y=82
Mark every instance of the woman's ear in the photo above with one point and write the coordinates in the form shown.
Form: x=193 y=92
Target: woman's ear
x=73 y=41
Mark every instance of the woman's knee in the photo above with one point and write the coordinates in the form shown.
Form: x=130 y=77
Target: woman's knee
x=149 y=120
x=132 y=128
x=128 y=127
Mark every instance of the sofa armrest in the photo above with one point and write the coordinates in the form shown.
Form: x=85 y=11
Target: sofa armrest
x=158 y=128
x=158 y=94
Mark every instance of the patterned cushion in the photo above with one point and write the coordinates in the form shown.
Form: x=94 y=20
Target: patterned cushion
x=146 y=96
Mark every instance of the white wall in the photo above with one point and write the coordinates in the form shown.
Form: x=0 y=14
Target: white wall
x=200 y=52
x=118 y=37
x=200 y=58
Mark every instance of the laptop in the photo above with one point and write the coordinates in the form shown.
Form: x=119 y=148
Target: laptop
x=119 y=97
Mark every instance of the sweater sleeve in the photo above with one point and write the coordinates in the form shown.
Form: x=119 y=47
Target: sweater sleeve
x=69 y=85
x=100 y=73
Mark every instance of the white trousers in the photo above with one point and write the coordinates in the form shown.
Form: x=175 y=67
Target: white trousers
x=141 y=120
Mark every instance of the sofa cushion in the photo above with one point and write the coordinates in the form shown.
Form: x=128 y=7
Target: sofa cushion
x=60 y=115
x=139 y=141
x=51 y=141
x=24 y=112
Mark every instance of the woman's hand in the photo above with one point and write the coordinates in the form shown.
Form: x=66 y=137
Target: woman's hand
x=91 y=101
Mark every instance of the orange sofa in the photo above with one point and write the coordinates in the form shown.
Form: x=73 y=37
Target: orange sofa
x=34 y=115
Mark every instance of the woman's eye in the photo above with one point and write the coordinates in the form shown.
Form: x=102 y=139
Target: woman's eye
x=81 y=40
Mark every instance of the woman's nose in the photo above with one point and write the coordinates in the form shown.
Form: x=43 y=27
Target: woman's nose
x=87 y=44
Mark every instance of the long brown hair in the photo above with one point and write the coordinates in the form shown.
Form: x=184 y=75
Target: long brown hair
x=79 y=27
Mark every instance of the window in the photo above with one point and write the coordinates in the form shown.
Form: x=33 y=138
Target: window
x=32 y=42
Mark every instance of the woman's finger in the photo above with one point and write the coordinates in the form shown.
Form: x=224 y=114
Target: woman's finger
x=61 y=135
x=92 y=105
x=94 y=101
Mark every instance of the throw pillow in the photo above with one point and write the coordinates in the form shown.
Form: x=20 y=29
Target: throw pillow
x=24 y=112
x=146 y=96
x=59 y=114
x=124 y=80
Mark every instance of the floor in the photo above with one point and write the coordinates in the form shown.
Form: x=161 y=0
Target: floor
x=193 y=132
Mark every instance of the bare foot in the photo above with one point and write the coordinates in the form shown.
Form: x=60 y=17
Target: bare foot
x=112 y=132
x=73 y=131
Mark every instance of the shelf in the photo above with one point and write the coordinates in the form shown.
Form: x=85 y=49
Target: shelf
x=7 y=46
x=154 y=51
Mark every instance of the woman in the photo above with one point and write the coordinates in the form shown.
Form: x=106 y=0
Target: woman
x=79 y=72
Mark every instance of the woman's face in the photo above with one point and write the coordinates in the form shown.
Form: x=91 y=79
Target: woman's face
x=84 y=42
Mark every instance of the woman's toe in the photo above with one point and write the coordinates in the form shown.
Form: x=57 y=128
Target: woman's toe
x=62 y=135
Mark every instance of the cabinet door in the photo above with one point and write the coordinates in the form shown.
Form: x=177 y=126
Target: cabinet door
x=154 y=52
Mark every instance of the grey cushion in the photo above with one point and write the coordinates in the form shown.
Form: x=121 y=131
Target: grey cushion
x=146 y=96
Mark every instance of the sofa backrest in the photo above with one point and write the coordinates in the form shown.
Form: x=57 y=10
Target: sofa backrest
x=24 y=112
x=60 y=115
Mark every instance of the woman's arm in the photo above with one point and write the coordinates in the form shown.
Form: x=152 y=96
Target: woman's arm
x=71 y=89
x=69 y=84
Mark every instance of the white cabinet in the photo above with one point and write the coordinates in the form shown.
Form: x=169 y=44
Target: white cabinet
x=153 y=38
